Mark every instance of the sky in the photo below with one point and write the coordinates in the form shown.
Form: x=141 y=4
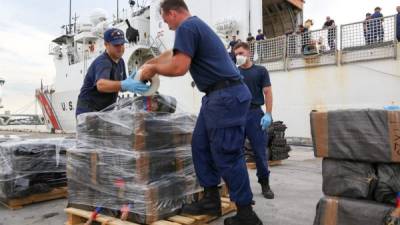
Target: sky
x=27 y=28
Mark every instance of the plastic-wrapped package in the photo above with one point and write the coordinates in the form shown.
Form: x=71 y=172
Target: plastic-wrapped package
x=344 y=211
x=32 y=166
x=348 y=179
x=129 y=155
x=361 y=135
x=388 y=183
x=277 y=146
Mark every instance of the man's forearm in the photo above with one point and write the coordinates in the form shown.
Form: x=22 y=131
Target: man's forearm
x=108 y=86
x=165 y=57
x=168 y=70
x=268 y=101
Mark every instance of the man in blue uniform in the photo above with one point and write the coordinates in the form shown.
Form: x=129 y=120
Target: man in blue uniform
x=257 y=80
x=106 y=76
x=218 y=138
x=377 y=28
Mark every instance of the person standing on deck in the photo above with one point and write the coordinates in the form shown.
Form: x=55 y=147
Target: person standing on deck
x=257 y=123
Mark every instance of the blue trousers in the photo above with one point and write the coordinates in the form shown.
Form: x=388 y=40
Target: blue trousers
x=258 y=141
x=218 y=139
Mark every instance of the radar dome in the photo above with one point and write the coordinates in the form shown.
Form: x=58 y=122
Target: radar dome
x=98 y=15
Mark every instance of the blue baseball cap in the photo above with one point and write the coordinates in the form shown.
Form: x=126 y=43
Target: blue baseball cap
x=114 y=36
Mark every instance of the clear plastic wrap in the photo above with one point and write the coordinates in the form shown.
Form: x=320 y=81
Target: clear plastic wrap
x=32 y=166
x=134 y=153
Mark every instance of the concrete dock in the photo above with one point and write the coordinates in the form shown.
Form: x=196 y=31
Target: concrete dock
x=297 y=185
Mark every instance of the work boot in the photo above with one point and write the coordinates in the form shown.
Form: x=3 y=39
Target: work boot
x=266 y=190
x=210 y=204
x=244 y=216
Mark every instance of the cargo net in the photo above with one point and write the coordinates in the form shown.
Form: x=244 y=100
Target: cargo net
x=32 y=166
x=369 y=40
x=277 y=146
x=136 y=156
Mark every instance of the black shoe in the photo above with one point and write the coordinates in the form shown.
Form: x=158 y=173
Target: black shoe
x=266 y=190
x=210 y=204
x=244 y=216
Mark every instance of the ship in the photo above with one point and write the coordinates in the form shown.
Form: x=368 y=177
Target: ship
x=347 y=66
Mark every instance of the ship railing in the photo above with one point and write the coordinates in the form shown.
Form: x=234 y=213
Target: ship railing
x=369 y=40
x=312 y=48
x=270 y=52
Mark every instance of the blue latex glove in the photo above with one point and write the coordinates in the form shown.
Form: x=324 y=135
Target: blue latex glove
x=134 y=86
x=266 y=121
x=392 y=107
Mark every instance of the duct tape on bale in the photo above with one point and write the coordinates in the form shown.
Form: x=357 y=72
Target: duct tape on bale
x=362 y=135
x=344 y=211
x=154 y=83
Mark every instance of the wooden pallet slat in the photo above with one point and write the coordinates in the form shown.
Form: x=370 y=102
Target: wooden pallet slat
x=18 y=203
x=79 y=217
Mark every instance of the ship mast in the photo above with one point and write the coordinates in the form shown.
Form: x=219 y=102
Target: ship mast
x=70 y=17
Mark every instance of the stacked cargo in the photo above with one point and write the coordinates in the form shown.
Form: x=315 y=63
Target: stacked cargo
x=277 y=146
x=128 y=158
x=32 y=166
x=361 y=165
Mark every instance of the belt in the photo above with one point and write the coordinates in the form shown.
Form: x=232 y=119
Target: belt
x=222 y=84
x=254 y=106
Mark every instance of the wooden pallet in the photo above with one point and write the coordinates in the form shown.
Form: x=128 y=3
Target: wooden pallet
x=252 y=165
x=79 y=217
x=18 y=203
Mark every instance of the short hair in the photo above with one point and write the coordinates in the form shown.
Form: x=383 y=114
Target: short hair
x=378 y=8
x=242 y=45
x=167 y=5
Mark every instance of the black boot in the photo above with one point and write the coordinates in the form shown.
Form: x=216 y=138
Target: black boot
x=245 y=216
x=266 y=190
x=210 y=204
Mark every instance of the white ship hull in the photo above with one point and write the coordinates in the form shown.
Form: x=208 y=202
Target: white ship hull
x=371 y=84
x=326 y=81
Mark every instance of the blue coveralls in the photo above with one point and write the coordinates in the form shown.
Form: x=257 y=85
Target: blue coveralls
x=256 y=78
x=218 y=138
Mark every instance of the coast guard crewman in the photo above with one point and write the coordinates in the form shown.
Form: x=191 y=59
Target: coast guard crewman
x=218 y=138
x=258 y=81
x=106 y=76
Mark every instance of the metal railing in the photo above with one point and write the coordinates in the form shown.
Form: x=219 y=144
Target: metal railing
x=313 y=48
x=271 y=52
x=369 y=40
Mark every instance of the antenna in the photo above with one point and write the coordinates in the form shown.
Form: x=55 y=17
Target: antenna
x=70 y=17
x=117 y=11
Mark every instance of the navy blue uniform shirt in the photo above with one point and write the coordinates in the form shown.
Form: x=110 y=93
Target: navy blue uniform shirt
x=398 y=26
x=256 y=78
x=103 y=67
x=210 y=60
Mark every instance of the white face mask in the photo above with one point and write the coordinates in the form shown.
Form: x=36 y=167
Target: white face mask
x=241 y=60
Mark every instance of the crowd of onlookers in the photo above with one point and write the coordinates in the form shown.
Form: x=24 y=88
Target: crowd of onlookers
x=372 y=27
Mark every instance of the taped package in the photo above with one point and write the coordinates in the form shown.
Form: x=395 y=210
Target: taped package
x=350 y=179
x=32 y=166
x=362 y=135
x=133 y=157
x=344 y=211
x=388 y=183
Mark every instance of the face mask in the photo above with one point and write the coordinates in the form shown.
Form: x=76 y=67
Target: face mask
x=241 y=60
